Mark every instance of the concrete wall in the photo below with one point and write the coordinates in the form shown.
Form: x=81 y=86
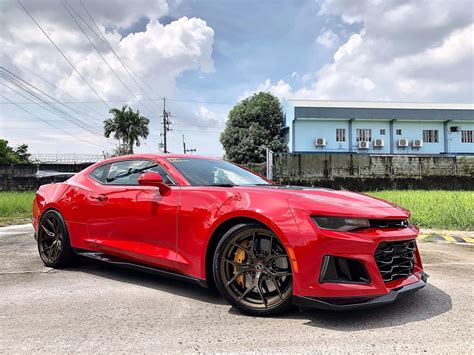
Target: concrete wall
x=363 y=172
x=22 y=177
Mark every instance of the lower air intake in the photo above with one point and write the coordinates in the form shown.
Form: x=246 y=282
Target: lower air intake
x=395 y=260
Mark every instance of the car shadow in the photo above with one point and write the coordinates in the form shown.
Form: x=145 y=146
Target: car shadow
x=144 y=279
x=422 y=305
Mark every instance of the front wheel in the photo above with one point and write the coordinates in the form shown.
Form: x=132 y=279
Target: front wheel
x=252 y=270
x=53 y=240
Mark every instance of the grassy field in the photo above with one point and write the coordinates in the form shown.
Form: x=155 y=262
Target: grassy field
x=430 y=209
x=435 y=209
x=15 y=207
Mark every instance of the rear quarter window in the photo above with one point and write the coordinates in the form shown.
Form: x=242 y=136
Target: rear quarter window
x=100 y=173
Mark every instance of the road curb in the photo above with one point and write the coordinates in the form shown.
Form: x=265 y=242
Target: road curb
x=445 y=238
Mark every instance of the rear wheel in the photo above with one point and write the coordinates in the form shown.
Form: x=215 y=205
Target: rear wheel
x=53 y=240
x=252 y=270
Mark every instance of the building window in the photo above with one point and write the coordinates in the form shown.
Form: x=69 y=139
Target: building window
x=430 y=136
x=467 y=136
x=398 y=132
x=363 y=135
x=340 y=134
x=382 y=132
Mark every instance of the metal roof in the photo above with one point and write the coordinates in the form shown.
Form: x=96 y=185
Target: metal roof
x=381 y=104
x=318 y=109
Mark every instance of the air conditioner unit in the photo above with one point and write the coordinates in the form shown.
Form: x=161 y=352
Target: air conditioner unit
x=378 y=143
x=417 y=143
x=363 y=145
x=320 y=142
x=403 y=143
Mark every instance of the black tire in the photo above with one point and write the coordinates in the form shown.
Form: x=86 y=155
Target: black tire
x=54 y=246
x=252 y=270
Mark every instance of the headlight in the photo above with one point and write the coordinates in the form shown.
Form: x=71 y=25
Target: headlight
x=343 y=224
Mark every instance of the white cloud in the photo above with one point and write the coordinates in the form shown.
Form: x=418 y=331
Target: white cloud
x=328 y=39
x=419 y=51
x=159 y=53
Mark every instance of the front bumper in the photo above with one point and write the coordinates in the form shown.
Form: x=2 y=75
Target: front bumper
x=343 y=304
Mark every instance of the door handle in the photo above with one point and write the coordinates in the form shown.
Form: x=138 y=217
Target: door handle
x=99 y=197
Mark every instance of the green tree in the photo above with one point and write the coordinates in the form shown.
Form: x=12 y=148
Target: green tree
x=9 y=155
x=253 y=124
x=22 y=153
x=127 y=126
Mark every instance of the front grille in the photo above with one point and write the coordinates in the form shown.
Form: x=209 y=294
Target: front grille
x=395 y=260
x=388 y=223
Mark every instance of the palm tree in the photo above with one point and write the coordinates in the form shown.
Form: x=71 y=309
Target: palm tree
x=126 y=126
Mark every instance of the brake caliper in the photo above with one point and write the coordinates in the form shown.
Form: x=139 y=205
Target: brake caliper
x=239 y=258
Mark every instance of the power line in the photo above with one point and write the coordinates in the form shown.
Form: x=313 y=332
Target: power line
x=66 y=5
x=131 y=99
x=64 y=92
x=63 y=114
x=5 y=72
x=60 y=114
x=59 y=50
x=52 y=110
x=129 y=71
x=49 y=124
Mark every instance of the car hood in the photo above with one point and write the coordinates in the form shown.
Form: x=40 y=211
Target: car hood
x=338 y=203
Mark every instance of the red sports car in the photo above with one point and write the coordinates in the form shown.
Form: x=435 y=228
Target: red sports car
x=264 y=246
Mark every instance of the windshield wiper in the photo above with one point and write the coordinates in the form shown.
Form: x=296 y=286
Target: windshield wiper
x=130 y=172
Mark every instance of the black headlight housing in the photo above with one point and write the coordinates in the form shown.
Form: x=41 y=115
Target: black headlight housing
x=343 y=224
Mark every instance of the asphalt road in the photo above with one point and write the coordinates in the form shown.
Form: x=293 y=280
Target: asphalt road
x=95 y=307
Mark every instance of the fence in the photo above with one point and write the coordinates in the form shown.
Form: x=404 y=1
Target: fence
x=17 y=177
x=67 y=158
x=348 y=171
x=362 y=172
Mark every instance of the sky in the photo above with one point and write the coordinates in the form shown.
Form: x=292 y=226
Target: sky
x=204 y=56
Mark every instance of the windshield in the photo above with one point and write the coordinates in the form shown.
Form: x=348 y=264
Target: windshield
x=214 y=172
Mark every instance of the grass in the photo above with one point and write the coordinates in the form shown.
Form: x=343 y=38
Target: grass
x=430 y=209
x=435 y=209
x=15 y=207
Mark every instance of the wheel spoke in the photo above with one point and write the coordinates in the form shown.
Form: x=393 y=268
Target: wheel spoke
x=259 y=290
x=275 y=282
x=48 y=233
x=254 y=249
x=241 y=247
x=278 y=273
x=250 y=288
x=271 y=245
x=236 y=275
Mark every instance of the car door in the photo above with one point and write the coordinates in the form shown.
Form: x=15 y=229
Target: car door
x=133 y=221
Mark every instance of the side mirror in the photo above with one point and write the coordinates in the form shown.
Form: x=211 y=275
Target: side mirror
x=154 y=179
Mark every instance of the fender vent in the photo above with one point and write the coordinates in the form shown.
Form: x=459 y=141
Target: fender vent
x=395 y=260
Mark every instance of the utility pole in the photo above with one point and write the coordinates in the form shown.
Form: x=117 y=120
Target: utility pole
x=166 y=125
x=185 y=151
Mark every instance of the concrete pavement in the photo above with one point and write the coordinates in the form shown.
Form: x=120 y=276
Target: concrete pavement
x=95 y=307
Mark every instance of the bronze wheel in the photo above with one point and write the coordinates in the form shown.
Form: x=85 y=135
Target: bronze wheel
x=252 y=270
x=53 y=240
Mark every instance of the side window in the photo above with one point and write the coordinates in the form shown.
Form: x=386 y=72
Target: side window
x=100 y=173
x=127 y=172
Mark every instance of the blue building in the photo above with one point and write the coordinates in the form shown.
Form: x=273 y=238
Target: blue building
x=379 y=127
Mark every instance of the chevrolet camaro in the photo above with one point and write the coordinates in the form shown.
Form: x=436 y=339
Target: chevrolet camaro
x=264 y=246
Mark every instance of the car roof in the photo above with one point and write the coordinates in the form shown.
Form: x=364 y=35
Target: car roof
x=158 y=156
